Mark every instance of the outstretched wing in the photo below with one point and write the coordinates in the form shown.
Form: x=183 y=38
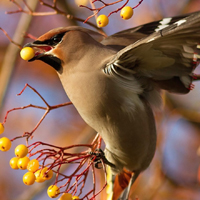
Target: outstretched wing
x=167 y=56
x=129 y=36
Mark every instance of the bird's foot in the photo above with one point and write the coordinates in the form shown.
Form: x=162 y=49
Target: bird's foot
x=100 y=157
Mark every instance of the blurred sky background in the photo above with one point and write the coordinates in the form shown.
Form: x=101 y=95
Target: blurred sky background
x=173 y=172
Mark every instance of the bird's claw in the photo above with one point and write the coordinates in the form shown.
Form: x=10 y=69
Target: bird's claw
x=100 y=157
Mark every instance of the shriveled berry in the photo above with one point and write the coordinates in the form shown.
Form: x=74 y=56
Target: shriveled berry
x=27 y=53
x=21 y=151
x=53 y=191
x=102 y=21
x=29 y=178
x=33 y=165
x=13 y=163
x=5 y=144
x=126 y=12
x=38 y=176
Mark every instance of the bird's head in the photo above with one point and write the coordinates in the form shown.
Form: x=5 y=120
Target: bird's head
x=52 y=47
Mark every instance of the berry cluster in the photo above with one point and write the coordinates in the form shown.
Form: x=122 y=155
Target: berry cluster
x=21 y=161
x=43 y=164
x=126 y=13
x=101 y=20
x=36 y=173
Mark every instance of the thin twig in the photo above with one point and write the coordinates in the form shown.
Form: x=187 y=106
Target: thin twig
x=10 y=39
x=47 y=109
x=56 y=11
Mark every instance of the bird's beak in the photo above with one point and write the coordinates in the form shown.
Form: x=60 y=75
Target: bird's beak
x=44 y=53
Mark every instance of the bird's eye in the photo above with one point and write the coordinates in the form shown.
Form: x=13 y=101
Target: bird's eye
x=53 y=41
x=56 y=39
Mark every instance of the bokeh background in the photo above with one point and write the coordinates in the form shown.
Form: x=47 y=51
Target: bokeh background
x=173 y=174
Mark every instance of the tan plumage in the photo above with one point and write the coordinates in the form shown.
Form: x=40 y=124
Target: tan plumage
x=114 y=86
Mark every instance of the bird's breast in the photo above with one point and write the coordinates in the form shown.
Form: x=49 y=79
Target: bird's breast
x=124 y=121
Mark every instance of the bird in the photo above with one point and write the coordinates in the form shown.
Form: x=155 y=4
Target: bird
x=115 y=82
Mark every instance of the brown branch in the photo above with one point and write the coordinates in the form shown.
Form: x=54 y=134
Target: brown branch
x=75 y=182
x=12 y=52
x=117 y=10
x=28 y=35
x=54 y=156
x=10 y=39
x=48 y=108
x=97 y=10
x=56 y=11
x=85 y=135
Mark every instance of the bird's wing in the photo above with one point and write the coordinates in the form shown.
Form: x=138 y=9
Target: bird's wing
x=167 y=56
x=129 y=36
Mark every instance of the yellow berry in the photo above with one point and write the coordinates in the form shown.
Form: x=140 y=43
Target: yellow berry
x=53 y=191
x=75 y=197
x=33 y=165
x=1 y=128
x=23 y=162
x=38 y=176
x=29 y=178
x=66 y=196
x=21 y=151
x=5 y=144
x=46 y=175
x=102 y=21
x=13 y=163
x=126 y=12
x=27 y=53
x=81 y=2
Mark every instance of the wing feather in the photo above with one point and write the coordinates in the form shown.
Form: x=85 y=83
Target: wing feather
x=165 y=54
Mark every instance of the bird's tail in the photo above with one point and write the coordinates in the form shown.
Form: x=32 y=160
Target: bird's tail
x=117 y=183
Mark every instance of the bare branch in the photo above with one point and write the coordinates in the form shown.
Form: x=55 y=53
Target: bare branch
x=10 y=39
x=48 y=108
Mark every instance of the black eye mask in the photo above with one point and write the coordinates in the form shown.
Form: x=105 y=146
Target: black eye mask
x=52 y=41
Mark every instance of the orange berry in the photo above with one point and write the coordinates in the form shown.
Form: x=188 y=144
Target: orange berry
x=27 y=53
x=38 y=176
x=21 y=151
x=1 y=128
x=29 y=178
x=23 y=162
x=48 y=175
x=66 y=196
x=33 y=165
x=13 y=163
x=126 y=12
x=5 y=144
x=102 y=21
x=75 y=197
x=81 y=2
x=53 y=191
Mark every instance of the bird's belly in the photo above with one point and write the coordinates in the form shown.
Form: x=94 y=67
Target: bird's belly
x=128 y=129
x=130 y=138
x=131 y=143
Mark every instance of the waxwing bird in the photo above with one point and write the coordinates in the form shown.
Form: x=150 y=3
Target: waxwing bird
x=115 y=82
